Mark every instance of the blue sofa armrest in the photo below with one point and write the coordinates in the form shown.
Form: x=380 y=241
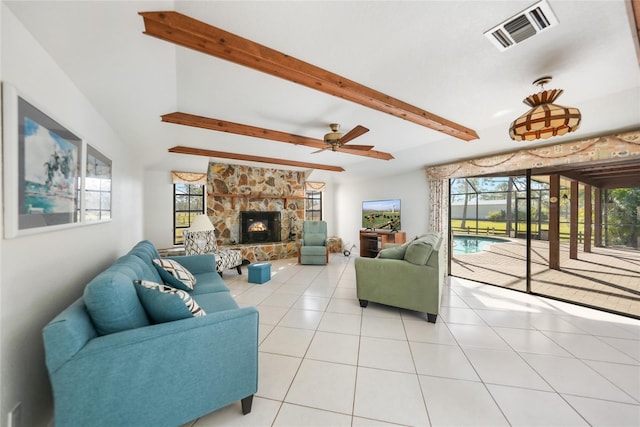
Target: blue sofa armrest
x=174 y=372
x=197 y=264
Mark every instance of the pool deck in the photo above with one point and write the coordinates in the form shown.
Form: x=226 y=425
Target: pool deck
x=605 y=277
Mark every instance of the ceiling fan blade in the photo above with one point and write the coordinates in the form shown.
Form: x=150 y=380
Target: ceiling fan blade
x=320 y=150
x=360 y=147
x=353 y=134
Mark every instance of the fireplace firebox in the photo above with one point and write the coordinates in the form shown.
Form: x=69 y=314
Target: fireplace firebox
x=259 y=227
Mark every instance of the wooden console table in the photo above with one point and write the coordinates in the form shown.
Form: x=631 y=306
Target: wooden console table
x=372 y=241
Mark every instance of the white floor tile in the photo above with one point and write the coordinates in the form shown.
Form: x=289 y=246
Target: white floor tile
x=334 y=347
x=441 y=360
x=421 y=331
x=296 y=416
x=477 y=336
x=365 y=422
x=460 y=403
x=385 y=354
x=381 y=310
x=312 y=303
x=287 y=341
x=345 y=306
x=275 y=374
x=270 y=315
x=494 y=357
x=629 y=347
x=504 y=367
x=341 y=323
x=507 y=319
x=324 y=385
x=531 y=341
x=280 y=299
x=383 y=327
x=263 y=331
x=572 y=376
x=589 y=347
x=465 y=316
x=389 y=396
x=263 y=412
x=524 y=407
x=626 y=377
x=303 y=319
x=605 y=413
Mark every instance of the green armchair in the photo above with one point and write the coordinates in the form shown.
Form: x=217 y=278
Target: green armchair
x=407 y=276
x=313 y=247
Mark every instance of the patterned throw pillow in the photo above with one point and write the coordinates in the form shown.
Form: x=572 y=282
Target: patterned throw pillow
x=166 y=304
x=174 y=274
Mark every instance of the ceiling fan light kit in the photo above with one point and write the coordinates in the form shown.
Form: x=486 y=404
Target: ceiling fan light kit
x=545 y=119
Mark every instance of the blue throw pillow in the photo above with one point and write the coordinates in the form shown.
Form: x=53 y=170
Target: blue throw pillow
x=175 y=274
x=166 y=304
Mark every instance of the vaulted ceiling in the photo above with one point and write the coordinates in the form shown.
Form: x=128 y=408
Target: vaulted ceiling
x=431 y=55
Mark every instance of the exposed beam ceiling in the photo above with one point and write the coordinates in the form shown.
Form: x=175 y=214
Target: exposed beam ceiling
x=249 y=158
x=188 y=32
x=624 y=174
x=273 y=135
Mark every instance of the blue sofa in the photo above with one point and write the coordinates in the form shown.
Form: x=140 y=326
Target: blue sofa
x=111 y=365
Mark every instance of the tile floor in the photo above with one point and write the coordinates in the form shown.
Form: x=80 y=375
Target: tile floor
x=495 y=357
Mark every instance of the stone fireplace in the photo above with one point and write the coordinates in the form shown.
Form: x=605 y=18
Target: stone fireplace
x=234 y=189
x=260 y=227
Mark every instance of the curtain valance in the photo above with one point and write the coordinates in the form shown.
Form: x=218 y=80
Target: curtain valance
x=314 y=186
x=188 y=178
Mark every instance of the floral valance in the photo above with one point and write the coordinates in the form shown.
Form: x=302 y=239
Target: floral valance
x=188 y=178
x=617 y=146
x=314 y=186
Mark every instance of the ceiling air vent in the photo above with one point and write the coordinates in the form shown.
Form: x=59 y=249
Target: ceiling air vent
x=520 y=27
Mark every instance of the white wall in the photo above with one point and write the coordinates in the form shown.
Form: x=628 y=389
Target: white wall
x=410 y=188
x=158 y=208
x=42 y=273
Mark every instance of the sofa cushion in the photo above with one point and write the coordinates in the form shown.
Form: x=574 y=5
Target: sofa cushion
x=174 y=274
x=164 y=303
x=111 y=299
x=418 y=252
x=314 y=239
x=395 y=252
x=147 y=252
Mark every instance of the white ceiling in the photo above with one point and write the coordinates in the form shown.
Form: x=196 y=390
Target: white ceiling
x=431 y=54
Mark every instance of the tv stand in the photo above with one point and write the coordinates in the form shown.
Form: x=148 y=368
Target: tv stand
x=372 y=241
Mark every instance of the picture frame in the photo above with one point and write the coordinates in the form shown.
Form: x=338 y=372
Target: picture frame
x=45 y=171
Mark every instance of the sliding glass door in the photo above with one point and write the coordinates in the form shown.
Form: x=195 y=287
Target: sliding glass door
x=488 y=223
x=549 y=235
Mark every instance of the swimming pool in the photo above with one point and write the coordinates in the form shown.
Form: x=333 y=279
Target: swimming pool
x=473 y=244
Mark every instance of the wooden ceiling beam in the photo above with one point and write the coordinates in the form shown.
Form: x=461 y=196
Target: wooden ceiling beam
x=273 y=135
x=249 y=158
x=188 y=32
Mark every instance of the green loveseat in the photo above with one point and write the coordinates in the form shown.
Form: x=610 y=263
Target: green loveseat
x=407 y=276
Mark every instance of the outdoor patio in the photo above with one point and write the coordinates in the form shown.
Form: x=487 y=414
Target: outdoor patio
x=607 y=277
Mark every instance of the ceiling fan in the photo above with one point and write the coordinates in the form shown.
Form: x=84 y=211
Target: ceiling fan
x=335 y=140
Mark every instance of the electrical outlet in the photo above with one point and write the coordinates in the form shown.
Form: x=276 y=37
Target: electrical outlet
x=15 y=416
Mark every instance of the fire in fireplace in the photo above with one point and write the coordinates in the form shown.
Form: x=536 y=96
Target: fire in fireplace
x=259 y=227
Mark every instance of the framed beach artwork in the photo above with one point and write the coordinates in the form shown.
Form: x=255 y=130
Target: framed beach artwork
x=43 y=169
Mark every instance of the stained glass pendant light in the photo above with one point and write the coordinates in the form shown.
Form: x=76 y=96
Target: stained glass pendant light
x=545 y=119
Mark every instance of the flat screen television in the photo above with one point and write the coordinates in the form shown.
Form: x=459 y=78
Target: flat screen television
x=381 y=214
